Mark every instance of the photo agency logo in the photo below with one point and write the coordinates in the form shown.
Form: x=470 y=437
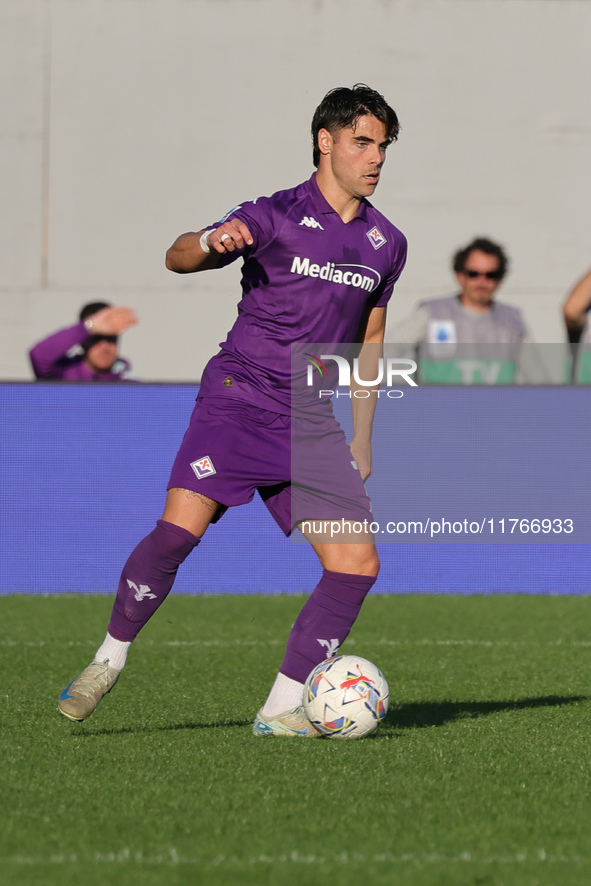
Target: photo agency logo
x=389 y=371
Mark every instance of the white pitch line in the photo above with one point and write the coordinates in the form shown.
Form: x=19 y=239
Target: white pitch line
x=224 y=644
x=172 y=858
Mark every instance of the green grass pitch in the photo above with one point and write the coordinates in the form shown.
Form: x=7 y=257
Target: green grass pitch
x=479 y=775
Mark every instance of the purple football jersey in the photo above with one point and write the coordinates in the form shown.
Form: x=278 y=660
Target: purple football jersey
x=308 y=277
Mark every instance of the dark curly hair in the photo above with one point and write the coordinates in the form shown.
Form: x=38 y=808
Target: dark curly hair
x=482 y=244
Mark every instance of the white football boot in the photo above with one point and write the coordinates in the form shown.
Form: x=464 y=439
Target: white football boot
x=292 y=722
x=81 y=696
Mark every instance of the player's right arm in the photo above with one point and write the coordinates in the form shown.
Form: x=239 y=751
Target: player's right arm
x=202 y=250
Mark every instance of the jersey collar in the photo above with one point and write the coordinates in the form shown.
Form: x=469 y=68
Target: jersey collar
x=321 y=205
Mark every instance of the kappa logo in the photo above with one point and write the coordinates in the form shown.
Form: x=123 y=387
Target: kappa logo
x=376 y=238
x=203 y=467
x=142 y=592
x=310 y=222
x=332 y=647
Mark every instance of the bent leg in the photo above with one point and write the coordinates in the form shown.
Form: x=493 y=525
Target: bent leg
x=145 y=583
x=328 y=615
x=151 y=568
x=326 y=619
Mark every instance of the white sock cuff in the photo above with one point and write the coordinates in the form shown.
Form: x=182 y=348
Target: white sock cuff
x=113 y=650
x=285 y=695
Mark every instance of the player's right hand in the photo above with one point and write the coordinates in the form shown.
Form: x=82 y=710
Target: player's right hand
x=232 y=235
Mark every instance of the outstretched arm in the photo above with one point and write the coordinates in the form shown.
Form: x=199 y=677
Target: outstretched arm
x=200 y=251
x=576 y=306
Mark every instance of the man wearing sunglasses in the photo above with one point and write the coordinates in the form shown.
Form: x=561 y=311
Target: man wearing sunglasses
x=469 y=338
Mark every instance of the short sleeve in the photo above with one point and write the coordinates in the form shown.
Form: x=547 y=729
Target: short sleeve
x=258 y=216
x=399 y=253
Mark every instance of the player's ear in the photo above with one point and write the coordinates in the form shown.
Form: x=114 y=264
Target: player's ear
x=325 y=141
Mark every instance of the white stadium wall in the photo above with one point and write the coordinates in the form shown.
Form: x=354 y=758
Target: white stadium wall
x=127 y=122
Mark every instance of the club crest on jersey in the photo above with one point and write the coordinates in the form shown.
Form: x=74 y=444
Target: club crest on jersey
x=203 y=467
x=376 y=238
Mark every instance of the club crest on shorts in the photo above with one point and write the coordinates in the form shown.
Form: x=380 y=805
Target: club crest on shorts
x=203 y=467
x=376 y=238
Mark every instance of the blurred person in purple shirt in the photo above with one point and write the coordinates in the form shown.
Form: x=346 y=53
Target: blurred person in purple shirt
x=87 y=351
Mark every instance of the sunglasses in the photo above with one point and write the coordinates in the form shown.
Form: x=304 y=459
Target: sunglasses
x=490 y=275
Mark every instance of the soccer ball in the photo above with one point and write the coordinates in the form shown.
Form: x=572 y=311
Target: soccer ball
x=346 y=697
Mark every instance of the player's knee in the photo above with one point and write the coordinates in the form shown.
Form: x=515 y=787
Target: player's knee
x=172 y=541
x=360 y=561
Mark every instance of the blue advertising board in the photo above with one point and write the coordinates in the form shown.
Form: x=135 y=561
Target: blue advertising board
x=85 y=467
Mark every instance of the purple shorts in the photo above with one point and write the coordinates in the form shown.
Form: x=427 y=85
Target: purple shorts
x=301 y=468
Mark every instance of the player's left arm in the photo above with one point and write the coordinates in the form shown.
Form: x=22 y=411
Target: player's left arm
x=363 y=408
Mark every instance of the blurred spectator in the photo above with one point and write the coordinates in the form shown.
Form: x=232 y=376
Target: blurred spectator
x=88 y=350
x=469 y=338
x=578 y=326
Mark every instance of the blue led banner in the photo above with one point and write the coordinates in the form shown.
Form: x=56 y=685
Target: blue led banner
x=85 y=467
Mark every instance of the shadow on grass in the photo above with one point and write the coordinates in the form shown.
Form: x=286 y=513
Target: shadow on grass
x=407 y=716
x=139 y=729
x=437 y=713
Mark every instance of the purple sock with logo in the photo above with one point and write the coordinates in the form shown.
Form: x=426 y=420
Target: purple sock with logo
x=147 y=578
x=324 y=622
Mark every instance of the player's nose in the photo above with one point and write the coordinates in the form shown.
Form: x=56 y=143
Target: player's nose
x=379 y=157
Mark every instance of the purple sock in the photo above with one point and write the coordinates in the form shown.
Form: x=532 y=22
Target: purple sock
x=324 y=622
x=147 y=578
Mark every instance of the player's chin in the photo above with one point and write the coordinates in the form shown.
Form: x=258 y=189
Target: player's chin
x=370 y=183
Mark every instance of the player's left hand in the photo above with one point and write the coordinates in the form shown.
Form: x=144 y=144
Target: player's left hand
x=361 y=452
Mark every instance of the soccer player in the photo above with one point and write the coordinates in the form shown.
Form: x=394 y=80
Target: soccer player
x=87 y=351
x=319 y=265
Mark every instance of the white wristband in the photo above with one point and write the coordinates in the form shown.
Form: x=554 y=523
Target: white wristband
x=203 y=240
